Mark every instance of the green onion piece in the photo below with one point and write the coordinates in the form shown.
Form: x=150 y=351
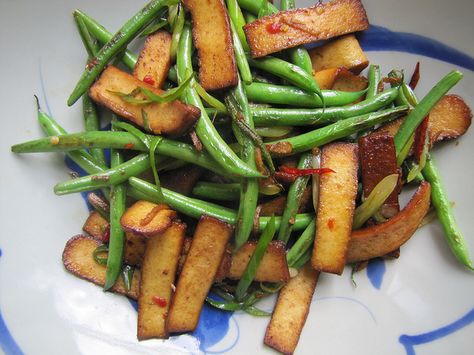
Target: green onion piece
x=298 y=264
x=98 y=254
x=302 y=245
x=156 y=141
x=152 y=29
x=211 y=100
x=127 y=276
x=375 y=200
x=177 y=26
x=252 y=266
x=405 y=150
x=224 y=306
x=423 y=157
x=273 y=132
x=256 y=312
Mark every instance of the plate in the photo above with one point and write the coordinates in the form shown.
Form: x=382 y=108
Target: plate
x=419 y=304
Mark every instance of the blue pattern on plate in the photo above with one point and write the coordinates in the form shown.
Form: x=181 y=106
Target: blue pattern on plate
x=375 y=272
x=7 y=343
x=410 y=341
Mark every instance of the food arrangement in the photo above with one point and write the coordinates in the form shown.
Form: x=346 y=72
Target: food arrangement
x=279 y=115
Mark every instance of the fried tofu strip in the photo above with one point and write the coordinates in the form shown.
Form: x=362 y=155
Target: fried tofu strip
x=135 y=245
x=181 y=180
x=378 y=160
x=348 y=81
x=213 y=40
x=291 y=310
x=326 y=77
x=158 y=274
x=199 y=270
x=147 y=218
x=272 y=268
x=381 y=239
x=337 y=193
x=154 y=61
x=172 y=118
x=96 y=225
x=291 y=28
x=344 y=51
x=78 y=260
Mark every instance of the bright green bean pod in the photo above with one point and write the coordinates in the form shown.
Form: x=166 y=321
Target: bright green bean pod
x=205 y=130
x=302 y=244
x=91 y=123
x=215 y=191
x=90 y=43
x=332 y=132
x=254 y=6
x=109 y=177
x=305 y=117
x=237 y=18
x=195 y=208
x=252 y=266
x=104 y=36
x=118 y=140
x=416 y=116
x=118 y=196
x=118 y=42
x=293 y=200
x=249 y=187
x=290 y=95
x=240 y=57
x=285 y=70
x=439 y=198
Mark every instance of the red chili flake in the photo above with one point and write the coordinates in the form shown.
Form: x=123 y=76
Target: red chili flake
x=415 y=77
x=149 y=80
x=304 y=172
x=420 y=137
x=106 y=235
x=92 y=64
x=160 y=301
x=274 y=27
x=331 y=223
x=129 y=146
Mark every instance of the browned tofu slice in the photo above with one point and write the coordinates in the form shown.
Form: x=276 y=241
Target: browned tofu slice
x=381 y=239
x=348 y=81
x=291 y=310
x=78 y=259
x=134 y=248
x=181 y=180
x=291 y=28
x=326 y=77
x=154 y=61
x=337 y=193
x=96 y=225
x=158 y=274
x=378 y=160
x=213 y=40
x=199 y=271
x=147 y=218
x=272 y=268
x=344 y=51
x=172 y=118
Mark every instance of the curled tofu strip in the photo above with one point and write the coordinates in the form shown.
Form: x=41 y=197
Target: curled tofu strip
x=291 y=310
x=344 y=51
x=158 y=274
x=337 y=193
x=381 y=239
x=171 y=118
x=154 y=60
x=199 y=271
x=213 y=40
x=78 y=260
x=291 y=28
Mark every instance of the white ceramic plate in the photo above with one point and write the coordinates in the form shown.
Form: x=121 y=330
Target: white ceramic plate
x=421 y=303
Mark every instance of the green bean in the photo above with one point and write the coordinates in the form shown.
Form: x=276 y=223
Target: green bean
x=302 y=244
x=374 y=79
x=273 y=132
x=304 y=117
x=104 y=36
x=337 y=130
x=177 y=30
x=287 y=71
x=240 y=56
x=237 y=18
x=117 y=140
x=248 y=187
x=90 y=43
x=118 y=42
x=416 y=116
x=293 y=200
x=118 y=196
x=249 y=17
x=110 y=177
x=298 y=264
x=214 y=191
x=252 y=266
x=439 y=198
x=91 y=123
x=205 y=130
x=195 y=208
x=290 y=95
x=254 y=6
